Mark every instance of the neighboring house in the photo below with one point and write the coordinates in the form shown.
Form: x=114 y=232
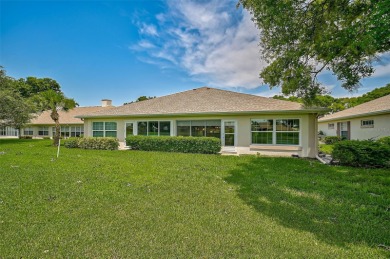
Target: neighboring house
x=370 y=120
x=43 y=126
x=246 y=123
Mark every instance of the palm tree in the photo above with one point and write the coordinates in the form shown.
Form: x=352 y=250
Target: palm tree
x=55 y=102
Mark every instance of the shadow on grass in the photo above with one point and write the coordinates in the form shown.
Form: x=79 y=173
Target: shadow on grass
x=338 y=205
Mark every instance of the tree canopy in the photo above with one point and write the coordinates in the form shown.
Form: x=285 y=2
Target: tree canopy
x=339 y=104
x=301 y=38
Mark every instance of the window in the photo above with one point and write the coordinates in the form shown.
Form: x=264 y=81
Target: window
x=28 y=131
x=279 y=131
x=199 y=128
x=262 y=131
x=287 y=132
x=76 y=131
x=43 y=131
x=330 y=125
x=154 y=128
x=367 y=123
x=104 y=129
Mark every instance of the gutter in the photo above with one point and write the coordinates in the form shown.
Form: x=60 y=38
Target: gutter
x=308 y=111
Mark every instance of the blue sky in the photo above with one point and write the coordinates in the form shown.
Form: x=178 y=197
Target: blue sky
x=125 y=49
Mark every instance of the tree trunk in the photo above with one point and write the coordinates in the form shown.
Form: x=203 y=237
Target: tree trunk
x=55 y=117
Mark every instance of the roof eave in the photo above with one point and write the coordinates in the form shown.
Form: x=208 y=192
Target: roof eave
x=305 y=111
x=355 y=116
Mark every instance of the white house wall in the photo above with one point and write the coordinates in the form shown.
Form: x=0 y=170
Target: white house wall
x=381 y=127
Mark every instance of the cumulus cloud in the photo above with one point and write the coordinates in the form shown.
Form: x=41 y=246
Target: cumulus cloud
x=211 y=40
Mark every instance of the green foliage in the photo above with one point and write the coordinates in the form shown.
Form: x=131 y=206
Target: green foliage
x=362 y=153
x=326 y=148
x=300 y=39
x=330 y=140
x=25 y=137
x=339 y=104
x=71 y=142
x=94 y=143
x=385 y=140
x=203 y=145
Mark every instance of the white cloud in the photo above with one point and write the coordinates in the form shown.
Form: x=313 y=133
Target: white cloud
x=212 y=41
x=381 y=71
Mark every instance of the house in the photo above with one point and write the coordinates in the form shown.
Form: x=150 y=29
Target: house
x=370 y=120
x=43 y=126
x=244 y=123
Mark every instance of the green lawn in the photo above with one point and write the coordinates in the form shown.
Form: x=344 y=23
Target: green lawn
x=165 y=205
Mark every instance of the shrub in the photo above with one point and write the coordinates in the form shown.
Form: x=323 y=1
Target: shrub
x=204 y=145
x=362 y=153
x=25 y=137
x=71 y=143
x=92 y=143
x=385 y=140
x=330 y=140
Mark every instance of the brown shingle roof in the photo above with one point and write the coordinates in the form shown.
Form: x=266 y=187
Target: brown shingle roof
x=66 y=117
x=201 y=100
x=380 y=105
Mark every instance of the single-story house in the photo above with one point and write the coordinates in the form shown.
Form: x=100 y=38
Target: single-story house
x=43 y=126
x=244 y=123
x=370 y=120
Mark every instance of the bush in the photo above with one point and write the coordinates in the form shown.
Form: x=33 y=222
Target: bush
x=362 y=153
x=203 y=145
x=330 y=140
x=71 y=143
x=25 y=137
x=92 y=143
x=385 y=140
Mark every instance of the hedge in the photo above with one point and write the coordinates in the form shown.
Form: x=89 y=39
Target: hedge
x=203 y=145
x=362 y=153
x=330 y=140
x=92 y=143
x=385 y=140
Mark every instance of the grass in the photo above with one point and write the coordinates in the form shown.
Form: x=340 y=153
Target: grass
x=325 y=148
x=136 y=204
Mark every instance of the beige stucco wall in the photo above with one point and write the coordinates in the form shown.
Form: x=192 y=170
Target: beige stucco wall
x=308 y=139
x=381 y=127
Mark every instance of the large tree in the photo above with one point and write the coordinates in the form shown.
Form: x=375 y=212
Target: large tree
x=301 y=38
x=55 y=102
x=15 y=111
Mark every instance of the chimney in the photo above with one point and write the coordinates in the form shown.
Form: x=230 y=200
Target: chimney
x=106 y=103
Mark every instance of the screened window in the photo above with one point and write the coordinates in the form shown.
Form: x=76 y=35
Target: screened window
x=76 y=131
x=275 y=131
x=154 y=128
x=104 y=129
x=199 y=128
x=367 y=123
x=43 y=131
x=28 y=131
x=330 y=125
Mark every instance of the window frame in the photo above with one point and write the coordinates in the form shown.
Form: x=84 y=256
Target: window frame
x=30 y=131
x=104 y=130
x=368 y=125
x=136 y=132
x=204 y=127
x=43 y=131
x=331 y=125
x=275 y=131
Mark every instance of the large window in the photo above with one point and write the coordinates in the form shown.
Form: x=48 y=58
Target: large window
x=104 y=129
x=199 y=128
x=154 y=128
x=28 y=131
x=275 y=131
x=43 y=131
x=262 y=131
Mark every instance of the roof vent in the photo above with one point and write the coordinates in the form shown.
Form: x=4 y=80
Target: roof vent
x=106 y=103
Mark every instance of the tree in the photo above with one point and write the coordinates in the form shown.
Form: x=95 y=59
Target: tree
x=15 y=111
x=55 y=102
x=142 y=98
x=301 y=38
